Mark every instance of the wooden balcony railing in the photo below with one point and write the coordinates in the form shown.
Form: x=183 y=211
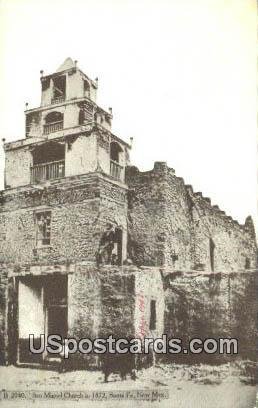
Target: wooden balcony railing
x=47 y=171
x=116 y=170
x=53 y=127
x=58 y=99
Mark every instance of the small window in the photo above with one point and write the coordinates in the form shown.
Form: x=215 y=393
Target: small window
x=153 y=315
x=247 y=263
x=212 y=250
x=43 y=228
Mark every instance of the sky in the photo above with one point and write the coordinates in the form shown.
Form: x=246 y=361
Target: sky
x=180 y=76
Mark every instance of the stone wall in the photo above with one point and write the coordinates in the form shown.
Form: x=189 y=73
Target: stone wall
x=146 y=220
x=171 y=225
x=80 y=209
x=118 y=302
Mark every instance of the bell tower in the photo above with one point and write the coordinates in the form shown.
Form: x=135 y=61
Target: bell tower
x=69 y=172
x=69 y=134
x=67 y=83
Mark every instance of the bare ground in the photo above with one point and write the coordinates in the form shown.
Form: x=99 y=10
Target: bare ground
x=199 y=386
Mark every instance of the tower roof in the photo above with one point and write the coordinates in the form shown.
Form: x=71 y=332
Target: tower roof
x=67 y=64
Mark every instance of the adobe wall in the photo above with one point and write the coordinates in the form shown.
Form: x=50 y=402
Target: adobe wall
x=212 y=306
x=17 y=167
x=116 y=300
x=80 y=210
x=81 y=155
x=170 y=225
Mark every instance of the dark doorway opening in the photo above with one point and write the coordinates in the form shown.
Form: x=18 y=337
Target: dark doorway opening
x=48 y=152
x=42 y=309
x=56 y=305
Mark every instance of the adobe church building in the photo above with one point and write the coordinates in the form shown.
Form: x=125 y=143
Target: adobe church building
x=89 y=245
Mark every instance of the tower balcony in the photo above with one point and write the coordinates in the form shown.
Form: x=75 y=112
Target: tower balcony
x=53 y=127
x=47 y=171
x=116 y=170
x=58 y=99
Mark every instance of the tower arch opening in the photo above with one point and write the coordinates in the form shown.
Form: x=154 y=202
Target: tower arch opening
x=59 y=89
x=48 y=162
x=115 y=152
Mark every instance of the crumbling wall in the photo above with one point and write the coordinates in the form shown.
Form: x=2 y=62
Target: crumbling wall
x=101 y=302
x=178 y=248
x=212 y=306
x=117 y=302
x=113 y=300
x=234 y=243
x=159 y=215
x=171 y=225
x=146 y=217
